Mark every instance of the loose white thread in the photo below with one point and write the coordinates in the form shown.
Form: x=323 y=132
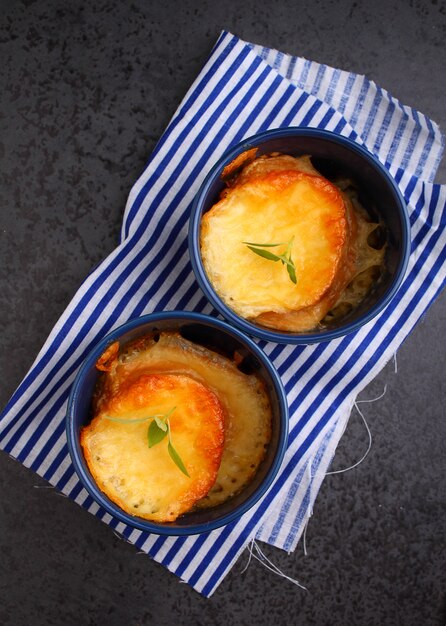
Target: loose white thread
x=123 y=538
x=304 y=536
x=43 y=486
x=269 y=565
x=395 y=363
x=249 y=547
x=341 y=471
x=373 y=399
x=59 y=493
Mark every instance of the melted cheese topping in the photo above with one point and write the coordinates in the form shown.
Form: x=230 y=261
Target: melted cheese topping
x=245 y=408
x=273 y=199
x=145 y=481
x=273 y=209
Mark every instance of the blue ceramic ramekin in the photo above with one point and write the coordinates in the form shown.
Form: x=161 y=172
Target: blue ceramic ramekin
x=222 y=338
x=331 y=154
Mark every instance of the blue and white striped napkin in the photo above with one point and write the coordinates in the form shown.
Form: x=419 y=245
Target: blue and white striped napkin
x=242 y=89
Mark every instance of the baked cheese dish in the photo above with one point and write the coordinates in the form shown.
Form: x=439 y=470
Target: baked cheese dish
x=220 y=425
x=282 y=205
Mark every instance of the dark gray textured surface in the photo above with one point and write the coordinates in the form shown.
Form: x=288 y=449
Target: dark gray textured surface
x=86 y=90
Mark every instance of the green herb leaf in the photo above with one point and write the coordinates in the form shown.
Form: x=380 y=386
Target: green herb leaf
x=291 y=271
x=155 y=434
x=161 y=424
x=177 y=459
x=265 y=254
x=158 y=429
x=285 y=259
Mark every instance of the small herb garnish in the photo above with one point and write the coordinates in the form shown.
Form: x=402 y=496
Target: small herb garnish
x=159 y=428
x=285 y=258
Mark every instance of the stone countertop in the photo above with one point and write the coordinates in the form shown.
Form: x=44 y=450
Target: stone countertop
x=87 y=88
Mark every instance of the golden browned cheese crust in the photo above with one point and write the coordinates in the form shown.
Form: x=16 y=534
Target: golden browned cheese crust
x=145 y=481
x=274 y=199
x=242 y=159
x=183 y=373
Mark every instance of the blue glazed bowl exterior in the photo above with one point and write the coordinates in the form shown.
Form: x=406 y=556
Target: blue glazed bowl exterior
x=224 y=339
x=331 y=154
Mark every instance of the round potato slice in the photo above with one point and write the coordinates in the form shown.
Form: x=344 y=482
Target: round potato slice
x=282 y=206
x=145 y=481
x=243 y=396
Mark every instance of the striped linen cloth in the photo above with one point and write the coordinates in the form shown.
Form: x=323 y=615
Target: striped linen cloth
x=242 y=89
